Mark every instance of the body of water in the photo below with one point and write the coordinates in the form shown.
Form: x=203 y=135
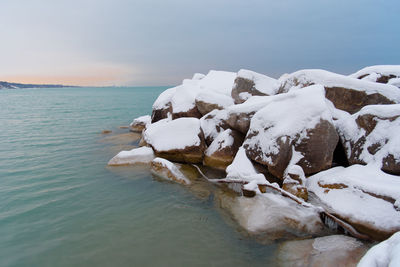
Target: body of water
x=60 y=205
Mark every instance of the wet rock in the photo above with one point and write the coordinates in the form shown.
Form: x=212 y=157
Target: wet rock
x=169 y=171
x=106 y=131
x=334 y=250
x=223 y=149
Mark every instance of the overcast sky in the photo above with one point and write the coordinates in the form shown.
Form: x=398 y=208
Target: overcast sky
x=161 y=42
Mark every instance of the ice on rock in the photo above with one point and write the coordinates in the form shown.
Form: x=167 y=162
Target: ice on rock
x=136 y=155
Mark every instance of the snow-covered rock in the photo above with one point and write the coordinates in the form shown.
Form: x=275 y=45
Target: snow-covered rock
x=249 y=83
x=372 y=136
x=294 y=181
x=346 y=93
x=134 y=156
x=168 y=170
x=180 y=140
x=140 y=123
x=385 y=254
x=162 y=107
x=207 y=101
x=364 y=196
x=378 y=73
x=241 y=167
x=213 y=124
x=272 y=216
x=297 y=121
x=327 y=251
x=223 y=149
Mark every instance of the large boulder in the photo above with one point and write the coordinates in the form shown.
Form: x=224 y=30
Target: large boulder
x=180 y=140
x=389 y=74
x=372 y=136
x=223 y=149
x=134 y=156
x=346 y=93
x=249 y=83
x=207 y=101
x=374 y=197
x=299 y=121
x=213 y=124
x=162 y=107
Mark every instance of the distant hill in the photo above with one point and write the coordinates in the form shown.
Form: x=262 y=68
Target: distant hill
x=7 y=85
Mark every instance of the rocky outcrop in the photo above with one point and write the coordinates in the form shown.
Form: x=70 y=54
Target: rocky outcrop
x=179 y=140
x=346 y=93
x=249 y=83
x=372 y=136
x=299 y=121
x=223 y=149
x=162 y=107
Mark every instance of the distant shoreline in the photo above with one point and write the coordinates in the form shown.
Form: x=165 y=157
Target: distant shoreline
x=8 y=85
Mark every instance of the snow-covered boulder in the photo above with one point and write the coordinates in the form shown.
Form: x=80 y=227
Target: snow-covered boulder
x=364 y=196
x=180 y=140
x=140 y=123
x=327 y=251
x=213 y=124
x=241 y=167
x=346 y=93
x=299 y=121
x=168 y=170
x=389 y=74
x=223 y=149
x=249 y=83
x=134 y=156
x=271 y=216
x=385 y=254
x=294 y=181
x=162 y=107
x=239 y=116
x=372 y=135
x=207 y=101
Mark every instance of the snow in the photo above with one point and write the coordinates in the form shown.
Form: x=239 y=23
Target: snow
x=241 y=168
x=330 y=79
x=172 y=168
x=223 y=140
x=360 y=180
x=262 y=83
x=385 y=254
x=146 y=119
x=164 y=98
x=166 y=135
x=285 y=116
x=218 y=81
x=385 y=132
x=245 y=95
x=136 y=155
x=211 y=123
x=394 y=82
x=378 y=69
x=252 y=105
x=211 y=97
x=198 y=76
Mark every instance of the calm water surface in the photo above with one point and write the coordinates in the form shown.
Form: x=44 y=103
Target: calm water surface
x=60 y=205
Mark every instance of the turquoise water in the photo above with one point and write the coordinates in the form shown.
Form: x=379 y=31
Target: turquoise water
x=60 y=205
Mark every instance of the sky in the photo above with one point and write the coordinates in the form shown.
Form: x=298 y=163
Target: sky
x=161 y=42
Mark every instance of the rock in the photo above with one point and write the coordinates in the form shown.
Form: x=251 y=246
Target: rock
x=134 y=156
x=294 y=182
x=223 y=149
x=346 y=93
x=270 y=216
x=389 y=74
x=329 y=251
x=383 y=254
x=371 y=192
x=213 y=124
x=208 y=101
x=249 y=83
x=168 y=170
x=179 y=140
x=140 y=123
x=106 y=131
x=162 y=106
x=241 y=168
x=297 y=121
x=372 y=136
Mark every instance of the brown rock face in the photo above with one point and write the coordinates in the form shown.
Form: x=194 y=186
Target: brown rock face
x=243 y=85
x=240 y=121
x=192 y=113
x=352 y=100
x=219 y=154
x=205 y=108
x=213 y=124
x=193 y=154
x=159 y=114
x=317 y=150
